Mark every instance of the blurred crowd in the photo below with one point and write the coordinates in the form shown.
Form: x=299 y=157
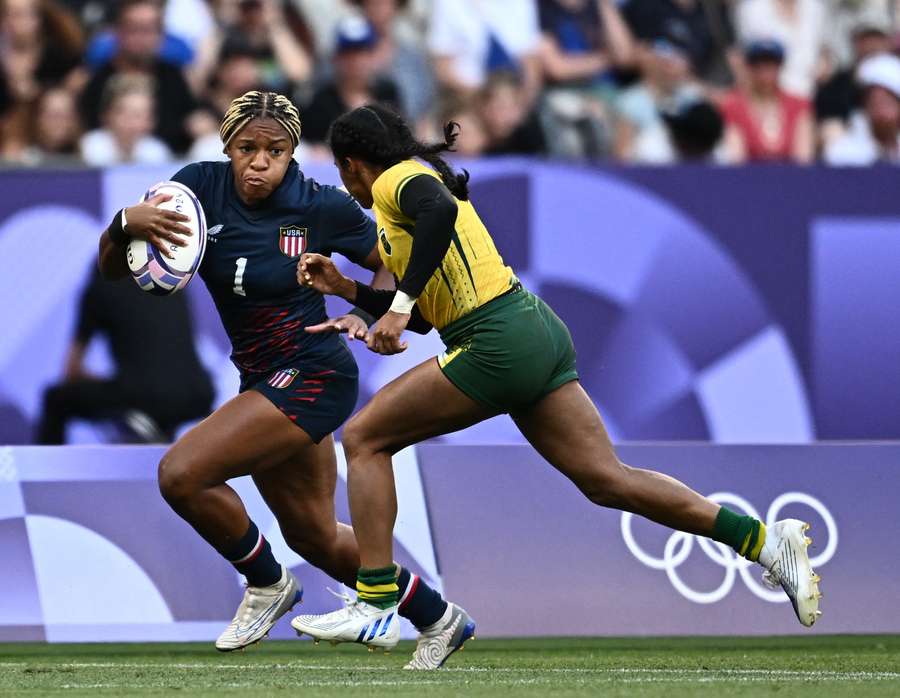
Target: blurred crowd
x=639 y=81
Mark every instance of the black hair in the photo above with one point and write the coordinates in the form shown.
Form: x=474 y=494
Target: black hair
x=380 y=136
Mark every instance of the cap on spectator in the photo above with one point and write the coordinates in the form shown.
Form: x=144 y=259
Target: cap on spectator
x=763 y=50
x=354 y=33
x=872 y=22
x=883 y=71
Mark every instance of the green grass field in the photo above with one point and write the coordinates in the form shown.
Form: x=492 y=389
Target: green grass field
x=671 y=667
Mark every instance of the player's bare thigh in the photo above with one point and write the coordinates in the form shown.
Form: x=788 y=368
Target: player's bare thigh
x=245 y=436
x=418 y=405
x=566 y=429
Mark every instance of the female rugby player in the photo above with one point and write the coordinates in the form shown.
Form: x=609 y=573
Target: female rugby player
x=506 y=352
x=296 y=388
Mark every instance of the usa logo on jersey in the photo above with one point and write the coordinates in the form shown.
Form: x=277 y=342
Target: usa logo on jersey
x=283 y=378
x=292 y=240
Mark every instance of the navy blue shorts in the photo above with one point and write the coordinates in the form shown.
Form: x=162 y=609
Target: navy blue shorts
x=317 y=395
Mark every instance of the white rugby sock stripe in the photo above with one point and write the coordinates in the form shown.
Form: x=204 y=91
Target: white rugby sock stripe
x=252 y=553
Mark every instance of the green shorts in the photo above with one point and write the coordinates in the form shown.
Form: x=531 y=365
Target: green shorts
x=509 y=353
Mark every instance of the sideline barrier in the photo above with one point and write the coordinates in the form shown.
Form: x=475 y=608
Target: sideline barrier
x=750 y=305
x=92 y=553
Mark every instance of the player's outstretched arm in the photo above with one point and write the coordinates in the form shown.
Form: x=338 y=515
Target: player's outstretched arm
x=319 y=272
x=145 y=221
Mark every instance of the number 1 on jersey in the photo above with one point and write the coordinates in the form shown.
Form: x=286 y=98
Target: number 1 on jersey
x=240 y=265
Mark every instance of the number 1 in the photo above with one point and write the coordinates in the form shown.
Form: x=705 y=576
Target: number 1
x=240 y=265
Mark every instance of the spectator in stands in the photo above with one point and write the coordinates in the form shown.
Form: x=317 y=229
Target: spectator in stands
x=581 y=41
x=139 y=32
x=702 y=27
x=799 y=25
x=158 y=382
x=277 y=34
x=583 y=44
x=845 y=17
x=764 y=122
x=54 y=130
x=472 y=140
x=322 y=17
x=838 y=98
x=400 y=56
x=355 y=83
x=470 y=39
x=127 y=110
x=512 y=127
x=874 y=133
x=667 y=79
x=691 y=130
x=40 y=47
x=185 y=24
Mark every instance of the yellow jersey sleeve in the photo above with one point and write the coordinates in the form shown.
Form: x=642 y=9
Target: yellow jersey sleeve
x=471 y=273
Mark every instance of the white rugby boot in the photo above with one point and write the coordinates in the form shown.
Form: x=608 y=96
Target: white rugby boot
x=260 y=609
x=357 y=621
x=438 y=641
x=786 y=560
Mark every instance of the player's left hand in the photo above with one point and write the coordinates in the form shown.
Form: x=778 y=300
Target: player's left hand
x=353 y=325
x=384 y=337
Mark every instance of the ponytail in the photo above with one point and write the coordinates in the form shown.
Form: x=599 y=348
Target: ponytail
x=380 y=136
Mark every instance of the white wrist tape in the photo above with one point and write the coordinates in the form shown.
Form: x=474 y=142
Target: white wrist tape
x=124 y=222
x=402 y=304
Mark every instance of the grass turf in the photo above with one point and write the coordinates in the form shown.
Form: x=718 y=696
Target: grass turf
x=671 y=667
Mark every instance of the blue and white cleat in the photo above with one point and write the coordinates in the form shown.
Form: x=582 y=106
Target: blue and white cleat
x=785 y=557
x=437 y=642
x=260 y=609
x=356 y=622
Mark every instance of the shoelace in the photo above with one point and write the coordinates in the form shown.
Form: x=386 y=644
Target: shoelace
x=351 y=605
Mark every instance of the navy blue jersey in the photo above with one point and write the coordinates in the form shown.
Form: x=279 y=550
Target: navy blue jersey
x=250 y=267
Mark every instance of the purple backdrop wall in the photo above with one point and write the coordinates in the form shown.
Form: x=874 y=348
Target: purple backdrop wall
x=91 y=552
x=745 y=305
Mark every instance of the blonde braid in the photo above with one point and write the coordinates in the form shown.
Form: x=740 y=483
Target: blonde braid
x=260 y=105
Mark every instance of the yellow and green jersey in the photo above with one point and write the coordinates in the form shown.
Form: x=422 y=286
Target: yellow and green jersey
x=471 y=273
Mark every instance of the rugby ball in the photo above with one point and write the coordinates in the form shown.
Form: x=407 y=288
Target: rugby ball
x=152 y=270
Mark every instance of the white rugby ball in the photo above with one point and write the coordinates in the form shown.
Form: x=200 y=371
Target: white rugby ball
x=150 y=268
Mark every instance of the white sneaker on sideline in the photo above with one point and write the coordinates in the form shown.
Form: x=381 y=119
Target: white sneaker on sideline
x=357 y=621
x=438 y=641
x=260 y=609
x=786 y=560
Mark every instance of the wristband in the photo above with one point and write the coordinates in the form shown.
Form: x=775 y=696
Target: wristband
x=116 y=229
x=403 y=304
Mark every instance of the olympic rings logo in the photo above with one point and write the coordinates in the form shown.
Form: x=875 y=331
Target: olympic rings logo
x=679 y=546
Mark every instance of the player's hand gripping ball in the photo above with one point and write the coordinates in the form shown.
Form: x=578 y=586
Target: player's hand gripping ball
x=168 y=231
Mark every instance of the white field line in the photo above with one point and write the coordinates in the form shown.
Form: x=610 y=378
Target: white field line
x=356 y=683
x=625 y=673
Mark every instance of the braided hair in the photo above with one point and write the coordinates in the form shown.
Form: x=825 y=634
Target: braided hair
x=380 y=136
x=260 y=105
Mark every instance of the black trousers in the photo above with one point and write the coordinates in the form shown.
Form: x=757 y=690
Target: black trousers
x=93 y=399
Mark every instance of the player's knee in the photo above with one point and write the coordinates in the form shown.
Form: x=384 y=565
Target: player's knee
x=357 y=439
x=177 y=484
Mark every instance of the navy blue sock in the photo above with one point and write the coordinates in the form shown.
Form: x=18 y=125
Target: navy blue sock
x=419 y=603
x=252 y=557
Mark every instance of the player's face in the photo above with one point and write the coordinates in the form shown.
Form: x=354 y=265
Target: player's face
x=353 y=175
x=260 y=154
